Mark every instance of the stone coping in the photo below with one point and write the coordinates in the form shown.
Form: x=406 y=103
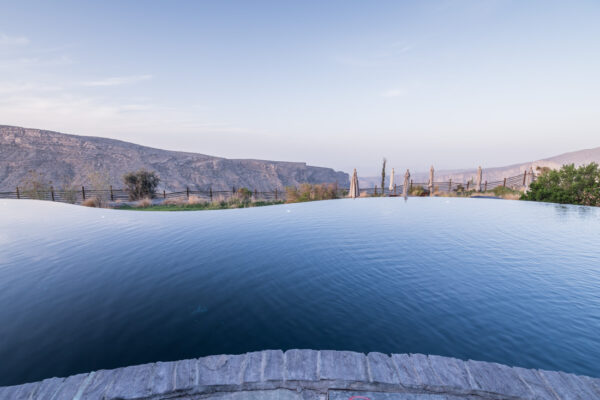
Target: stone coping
x=311 y=374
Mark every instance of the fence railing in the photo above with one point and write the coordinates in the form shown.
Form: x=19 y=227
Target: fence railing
x=79 y=195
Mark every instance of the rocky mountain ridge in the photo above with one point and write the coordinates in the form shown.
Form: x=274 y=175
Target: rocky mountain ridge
x=493 y=174
x=65 y=159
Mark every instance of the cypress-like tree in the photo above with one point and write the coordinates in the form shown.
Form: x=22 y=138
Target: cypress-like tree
x=383 y=177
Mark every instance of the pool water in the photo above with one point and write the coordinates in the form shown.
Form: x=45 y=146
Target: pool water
x=513 y=282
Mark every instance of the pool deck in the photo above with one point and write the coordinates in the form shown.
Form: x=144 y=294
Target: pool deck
x=312 y=375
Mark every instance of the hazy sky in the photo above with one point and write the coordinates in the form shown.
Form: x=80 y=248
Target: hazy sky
x=333 y=83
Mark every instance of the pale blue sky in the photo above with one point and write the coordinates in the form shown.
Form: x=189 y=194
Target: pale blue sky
x=332 y=83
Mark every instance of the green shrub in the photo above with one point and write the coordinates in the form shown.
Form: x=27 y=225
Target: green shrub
x=310 y=192
x=141 y=184
x=568 y=185
x=501 y=191
x=417 y=191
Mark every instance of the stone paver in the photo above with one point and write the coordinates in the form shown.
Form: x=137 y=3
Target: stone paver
x=300 y=365
x=313 y=375
x=406 y=371
x=220 y=370
x=349 y=395
x=342 y=365
x=381 y=369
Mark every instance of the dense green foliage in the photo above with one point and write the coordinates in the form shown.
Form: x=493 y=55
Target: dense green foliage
x=141 y=184
x=568 y=185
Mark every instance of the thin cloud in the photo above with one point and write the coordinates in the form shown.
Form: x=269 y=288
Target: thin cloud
x=118 y=80
x=392 y=93
x=6 y=40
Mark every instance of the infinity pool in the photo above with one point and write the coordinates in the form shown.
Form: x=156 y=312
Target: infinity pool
x=84 y=289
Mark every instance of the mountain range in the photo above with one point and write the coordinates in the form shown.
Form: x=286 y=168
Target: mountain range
x=578 y=158
x=73 y=160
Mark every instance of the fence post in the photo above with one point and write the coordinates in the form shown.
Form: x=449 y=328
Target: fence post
x=164 y=194
x=524 y=177
x=485 y=187
x=504 y=184
x=468 y=182
x=375 y=194
x=255 y=194
x=210 y=192
x=450 y=185
x=83 y=193
x=411 y=182
x=52 y=192
x=18 y=194
x=275 y=194
x=233 y=190
x=187 y=191
x=112 y=197
x=394 y=189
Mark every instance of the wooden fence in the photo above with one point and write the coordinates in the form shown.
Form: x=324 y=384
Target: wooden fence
x=78 y=195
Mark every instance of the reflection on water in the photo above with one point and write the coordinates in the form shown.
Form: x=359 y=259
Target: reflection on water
x=513 y=282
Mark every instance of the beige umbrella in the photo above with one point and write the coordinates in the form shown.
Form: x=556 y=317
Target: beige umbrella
x=478 y=186
x=392 y=180
x=405 y=186
x=354 y=191
x=431 y=181
x=529 y=178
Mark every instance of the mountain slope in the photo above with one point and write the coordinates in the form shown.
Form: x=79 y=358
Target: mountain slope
x=497 y=173
x=63 y=158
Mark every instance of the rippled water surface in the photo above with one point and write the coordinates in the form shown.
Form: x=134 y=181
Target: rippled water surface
x=513 y=282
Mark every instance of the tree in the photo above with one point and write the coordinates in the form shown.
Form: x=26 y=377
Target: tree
x=141 y=184
x=568 y=185
x=383 y=177
x=33 y=186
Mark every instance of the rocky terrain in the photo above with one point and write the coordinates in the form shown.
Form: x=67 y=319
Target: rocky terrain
x=73 y=160
x=493 y=174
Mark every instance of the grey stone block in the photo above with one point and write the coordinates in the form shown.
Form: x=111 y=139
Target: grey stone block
x=132 y=382
x=343 y=366
x=273 y=367
x=567 y=386
x=185 y=376
x=47 y=388
x=300 y=365
x=382 y=369
x=585 y=384
x=162 y=381
x=220 y=370
x=406 y=371
x=345 y=395
x=427 y=375
x=452 y=373
x=253 y=367
x=99 y=383
x=593 y=382
x=541 y=391
x=277 y=394
x=18 y=392
x=69 y=387
x=496 y=378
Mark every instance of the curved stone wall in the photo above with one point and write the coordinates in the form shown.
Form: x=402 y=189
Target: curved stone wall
x=311 y=374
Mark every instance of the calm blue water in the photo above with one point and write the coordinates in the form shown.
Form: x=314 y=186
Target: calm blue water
x=513 y=282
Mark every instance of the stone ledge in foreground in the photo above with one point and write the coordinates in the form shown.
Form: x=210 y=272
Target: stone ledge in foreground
x=311 y=374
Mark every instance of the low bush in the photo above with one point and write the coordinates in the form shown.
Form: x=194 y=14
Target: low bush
x=144 y=203
x=92 y=202
x=141 y=184
x=417 y=191
x=568 y=185
x=311 y=192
